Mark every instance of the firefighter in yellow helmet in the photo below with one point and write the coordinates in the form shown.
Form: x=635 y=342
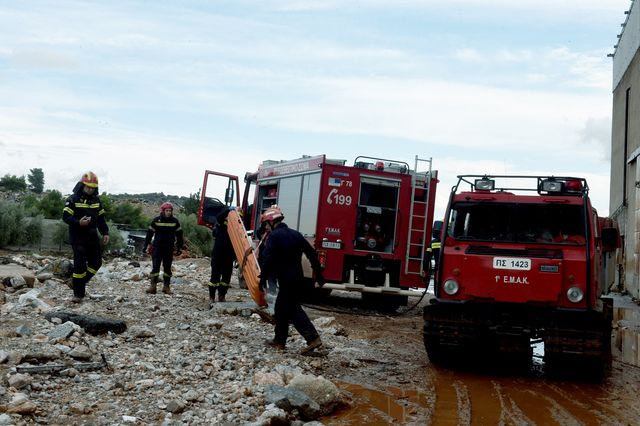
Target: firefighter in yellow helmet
x=84 y=214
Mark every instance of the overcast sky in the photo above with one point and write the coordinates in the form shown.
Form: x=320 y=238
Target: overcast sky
x=150 y=94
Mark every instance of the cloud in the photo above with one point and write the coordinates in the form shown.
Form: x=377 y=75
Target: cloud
x=596 y=133
x=41 y=58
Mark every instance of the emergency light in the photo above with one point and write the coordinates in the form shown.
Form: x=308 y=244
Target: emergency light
x=485 y=184
x=551 y=185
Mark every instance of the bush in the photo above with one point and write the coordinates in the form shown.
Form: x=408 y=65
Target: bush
x=15 y=229
x=61 y=234
x=199 y=237
x=116 y=242
x=51 y=205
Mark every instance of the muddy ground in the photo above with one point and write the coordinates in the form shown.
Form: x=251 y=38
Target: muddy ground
x=192 y=365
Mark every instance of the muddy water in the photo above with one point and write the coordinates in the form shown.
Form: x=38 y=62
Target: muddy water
x=395 y=383
x=454 y=398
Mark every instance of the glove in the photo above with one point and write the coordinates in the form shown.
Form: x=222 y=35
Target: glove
x=263 y=284
x=144 y=249
x=178 y=252
x=320 y=280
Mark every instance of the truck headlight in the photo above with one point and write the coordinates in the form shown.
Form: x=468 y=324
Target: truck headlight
x=450 y=287
x=575 y=295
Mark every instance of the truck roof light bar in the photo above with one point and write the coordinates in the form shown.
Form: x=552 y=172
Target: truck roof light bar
x=543 y=185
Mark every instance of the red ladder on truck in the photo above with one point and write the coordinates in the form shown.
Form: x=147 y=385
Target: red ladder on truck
x=418 y=238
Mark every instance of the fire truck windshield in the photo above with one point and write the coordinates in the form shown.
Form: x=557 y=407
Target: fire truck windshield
x=518 y=223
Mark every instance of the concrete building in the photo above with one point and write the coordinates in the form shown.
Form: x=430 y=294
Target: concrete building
x=624 y=202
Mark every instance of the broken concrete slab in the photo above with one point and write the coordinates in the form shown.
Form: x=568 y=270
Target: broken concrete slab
x=13 y=270
x=90 y=324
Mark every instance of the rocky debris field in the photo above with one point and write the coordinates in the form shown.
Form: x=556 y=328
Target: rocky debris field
x=126 y=357
x=176 y=362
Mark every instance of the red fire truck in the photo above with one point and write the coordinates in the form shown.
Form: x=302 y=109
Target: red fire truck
x=369 y=221
x=522 y=260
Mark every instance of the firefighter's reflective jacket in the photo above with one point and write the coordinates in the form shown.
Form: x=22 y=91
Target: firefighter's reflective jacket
x=166 y=230
x=79 y=205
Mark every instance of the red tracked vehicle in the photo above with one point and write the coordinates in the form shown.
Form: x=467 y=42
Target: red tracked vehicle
x=522 y=260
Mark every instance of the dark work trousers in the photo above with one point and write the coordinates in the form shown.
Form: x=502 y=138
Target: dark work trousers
x=87 y=259
x=222 y=258
x=162 y=255
x=289 y=311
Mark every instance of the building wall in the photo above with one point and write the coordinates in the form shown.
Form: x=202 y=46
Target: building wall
x=625 y=207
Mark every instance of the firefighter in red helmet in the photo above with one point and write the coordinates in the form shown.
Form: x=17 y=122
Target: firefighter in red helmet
x=165 y=231
x=84 y=214
x=282 y=258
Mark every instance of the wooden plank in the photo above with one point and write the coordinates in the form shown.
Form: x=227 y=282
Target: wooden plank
x=245 y=256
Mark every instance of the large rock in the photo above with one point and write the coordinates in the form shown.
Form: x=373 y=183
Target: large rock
x=321 y=390
x=16 y=276
x=62 y=331
x=19 y=381
x=141 y=331
x=31 y=298
x=272 y=415
x=290 y=399
x=90 y=324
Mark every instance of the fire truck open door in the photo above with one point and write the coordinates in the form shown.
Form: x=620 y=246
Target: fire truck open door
x=218 y=190
x=211 y=206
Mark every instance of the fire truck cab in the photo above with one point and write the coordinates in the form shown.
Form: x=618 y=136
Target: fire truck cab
x=370 y=222
x=521 y=259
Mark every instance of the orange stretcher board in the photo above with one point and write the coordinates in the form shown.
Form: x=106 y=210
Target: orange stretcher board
x=245 y=256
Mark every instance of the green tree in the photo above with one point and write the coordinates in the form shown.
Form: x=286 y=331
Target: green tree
x=190 y=206
x=36 y=180
x=198 y=238
x=52 y=204
x=13 y=183
x=129 y=214
x=107 y=204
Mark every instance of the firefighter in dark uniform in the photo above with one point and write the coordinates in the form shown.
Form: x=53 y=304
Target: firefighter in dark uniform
x=222 y=257
x=282 y=258
x=84 y=214
x=433 y=252
x=166 y=229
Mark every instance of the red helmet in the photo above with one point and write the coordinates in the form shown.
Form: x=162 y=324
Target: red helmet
x=90 y=179
x=272 y=213
x=166 y=205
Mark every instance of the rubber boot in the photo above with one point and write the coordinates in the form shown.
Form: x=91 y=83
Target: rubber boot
x=152 y=287
x=165 y=288
x=212 y=296
x=222 y=293
x=315 y=343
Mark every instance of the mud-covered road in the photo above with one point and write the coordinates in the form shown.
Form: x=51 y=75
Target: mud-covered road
x=398 y=384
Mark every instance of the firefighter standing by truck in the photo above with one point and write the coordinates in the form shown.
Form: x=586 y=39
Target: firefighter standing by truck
x=222 y=257
x=282 y=257
x=166 y=229
x=84 y=214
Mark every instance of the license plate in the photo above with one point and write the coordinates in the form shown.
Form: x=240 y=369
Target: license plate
x=331 y=245
x=517 y=263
